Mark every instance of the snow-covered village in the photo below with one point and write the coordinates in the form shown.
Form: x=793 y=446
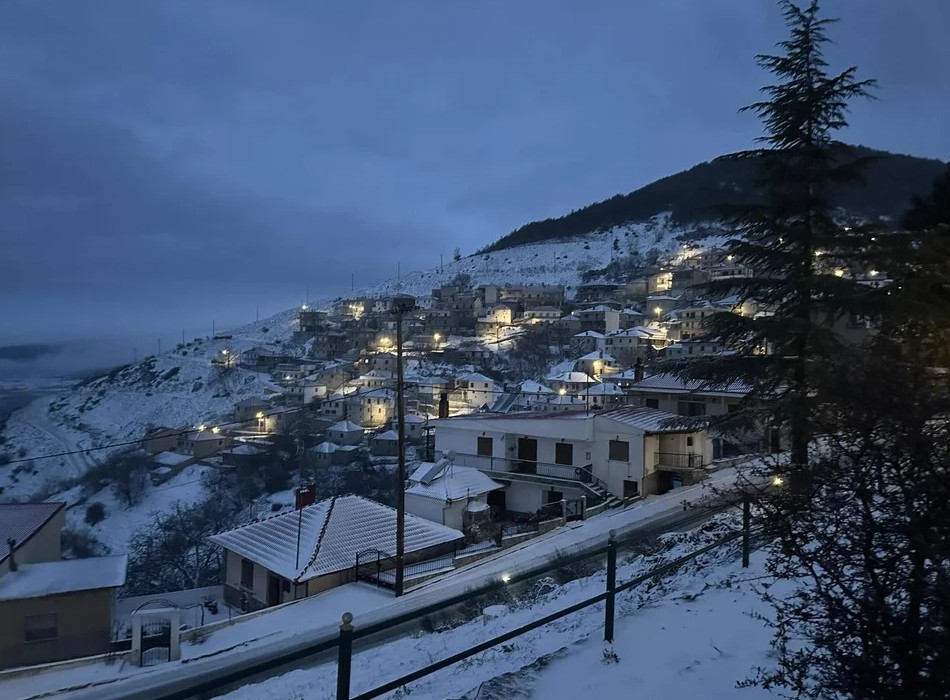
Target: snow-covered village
x=686 y=442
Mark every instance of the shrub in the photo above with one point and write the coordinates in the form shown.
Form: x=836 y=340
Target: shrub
x=95 y=514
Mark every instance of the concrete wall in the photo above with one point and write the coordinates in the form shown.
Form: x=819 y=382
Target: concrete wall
x=429 y=508
x=83 y=622
x=43 y=546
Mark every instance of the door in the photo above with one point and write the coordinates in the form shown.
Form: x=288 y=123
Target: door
x=496 y=501
x=527 y=455
x=273 y=589
x=553 y=496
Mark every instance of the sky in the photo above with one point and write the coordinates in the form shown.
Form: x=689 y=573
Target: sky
x=166 y=164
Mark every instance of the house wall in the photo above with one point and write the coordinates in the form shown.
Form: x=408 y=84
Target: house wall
x=42 y=546
x=431 y=509
x=83 y=622
x=525 y=497
x=614 y=472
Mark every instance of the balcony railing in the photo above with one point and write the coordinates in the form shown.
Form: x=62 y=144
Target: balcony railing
x=526 y=466
x=678 y=460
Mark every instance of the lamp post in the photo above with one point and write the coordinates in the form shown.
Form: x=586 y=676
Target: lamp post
x=402 y=303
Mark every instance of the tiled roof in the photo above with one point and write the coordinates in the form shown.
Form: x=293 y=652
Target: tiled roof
x=649 y=420
x=332 y=532
x=453 y=482
x=667 y=382
x=581 y=377
x=20 y=521
x=597 y=355
x=389 y=436
x=345 y=426
x=532 y=387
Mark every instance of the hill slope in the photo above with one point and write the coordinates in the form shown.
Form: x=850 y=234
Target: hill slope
x=890 y=181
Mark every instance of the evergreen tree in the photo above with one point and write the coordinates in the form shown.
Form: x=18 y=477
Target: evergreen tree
x=791 y=242
x=916 y=260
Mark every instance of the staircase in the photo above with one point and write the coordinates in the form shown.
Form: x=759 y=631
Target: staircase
x=603 y=495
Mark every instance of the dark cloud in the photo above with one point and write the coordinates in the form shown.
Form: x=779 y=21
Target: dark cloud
x=164 y=161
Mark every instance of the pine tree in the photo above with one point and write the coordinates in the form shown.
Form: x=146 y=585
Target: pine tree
x=916 y=260
x=791 y=242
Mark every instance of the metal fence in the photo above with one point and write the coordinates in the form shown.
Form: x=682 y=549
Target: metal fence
x=348 y=634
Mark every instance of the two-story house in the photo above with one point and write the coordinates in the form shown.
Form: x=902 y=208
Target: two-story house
x=51 y=608
x=544 y=457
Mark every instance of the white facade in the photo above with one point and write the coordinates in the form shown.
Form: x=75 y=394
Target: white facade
x=620 y=447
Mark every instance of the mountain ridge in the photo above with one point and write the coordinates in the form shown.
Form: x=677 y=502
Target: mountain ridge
x=690 y=196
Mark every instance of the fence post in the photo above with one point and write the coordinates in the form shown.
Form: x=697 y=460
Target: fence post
x=344 y=658
x=746 y=526
x=611 y=587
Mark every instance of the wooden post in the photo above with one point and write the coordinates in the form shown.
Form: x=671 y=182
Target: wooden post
x=611 y=587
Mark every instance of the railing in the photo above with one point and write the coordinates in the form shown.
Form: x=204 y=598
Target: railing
x=348 y=634
x=678 y=460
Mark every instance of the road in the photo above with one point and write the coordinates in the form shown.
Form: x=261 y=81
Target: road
x=273 y=655
x=36 y=415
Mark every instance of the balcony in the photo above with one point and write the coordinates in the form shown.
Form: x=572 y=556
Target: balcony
x=677 y=461
x=525 y=466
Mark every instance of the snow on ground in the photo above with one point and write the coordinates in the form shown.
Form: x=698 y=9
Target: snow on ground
x=312 y=619
x=690 y=635
x=552 y=262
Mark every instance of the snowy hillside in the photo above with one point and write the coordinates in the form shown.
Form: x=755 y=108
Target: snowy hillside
x=177 y=388
x=553 y=262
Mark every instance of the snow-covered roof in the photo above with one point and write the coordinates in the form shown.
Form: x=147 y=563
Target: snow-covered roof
x=452 y=482
x=388 y=436
x=600 y=308
x=474 y=377
x=606 y=389
x=649 y=420
x=580 y=377
x=669 y=383
x=379 y=374
x=597 y=355
x=245 y=449
x=545 y=308
x=326 y=448
x=64 y=576
x=413 y=418
x=345 y=426
x=565 y=400
x=202 y=435
x=171 y=459
x=533 y=387
x=589 y=334
x=331 y=533
x=20 y=521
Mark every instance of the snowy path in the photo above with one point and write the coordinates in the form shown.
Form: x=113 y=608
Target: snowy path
x=36 y=415
x=282 y=630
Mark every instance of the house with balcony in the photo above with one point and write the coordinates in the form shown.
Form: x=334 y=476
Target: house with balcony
x=600 y=318
x=570 y=383
x=693 y=398
x=588 y=341
x=542 y=314
x=597 y=363
x=475 y=389
x=601 y=456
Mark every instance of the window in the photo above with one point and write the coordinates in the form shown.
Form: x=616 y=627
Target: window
x=691 y=408
x=563 y=453
x=484 y=447
x=38 y=628
x=247 y=573
x=618 y=450
x=689 y=442
x=285 y=585
x=652 y=403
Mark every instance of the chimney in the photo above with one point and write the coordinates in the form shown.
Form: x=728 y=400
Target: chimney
x=443 y=405
x=638 y=370
x=12 y=544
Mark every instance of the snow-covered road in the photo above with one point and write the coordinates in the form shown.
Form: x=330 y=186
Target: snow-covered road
x=283 y=630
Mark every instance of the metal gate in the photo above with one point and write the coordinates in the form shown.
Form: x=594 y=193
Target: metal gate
x=573 y=509
x=156 y=642
x=369 y=565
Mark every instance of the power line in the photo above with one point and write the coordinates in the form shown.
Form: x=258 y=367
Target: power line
x=307 y=407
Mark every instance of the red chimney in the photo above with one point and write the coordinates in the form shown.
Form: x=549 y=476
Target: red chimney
x=305 y=496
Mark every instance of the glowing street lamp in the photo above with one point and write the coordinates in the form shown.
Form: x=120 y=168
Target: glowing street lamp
x=657 y=310
x=562 y=391
x=839 y=272
x=437 y=337
x=216 y=430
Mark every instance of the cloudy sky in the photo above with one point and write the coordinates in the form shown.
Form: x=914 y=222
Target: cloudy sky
x=164 y=163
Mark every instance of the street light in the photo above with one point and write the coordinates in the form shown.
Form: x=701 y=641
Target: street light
x=657 y=310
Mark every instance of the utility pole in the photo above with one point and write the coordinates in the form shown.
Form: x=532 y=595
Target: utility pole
x=401 y=304
x=352 y=281
x=182 y=336
x=257 y=313
x=159 y=346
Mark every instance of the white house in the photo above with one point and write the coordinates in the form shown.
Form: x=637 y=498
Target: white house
x=628 y=451
x=572 y=383
x=476 y=389
x=345 y=433
x=597 y=363
x=305 y=552
x=441 y=491
x=533 y=393
x=542 y=314
x=589 y=341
